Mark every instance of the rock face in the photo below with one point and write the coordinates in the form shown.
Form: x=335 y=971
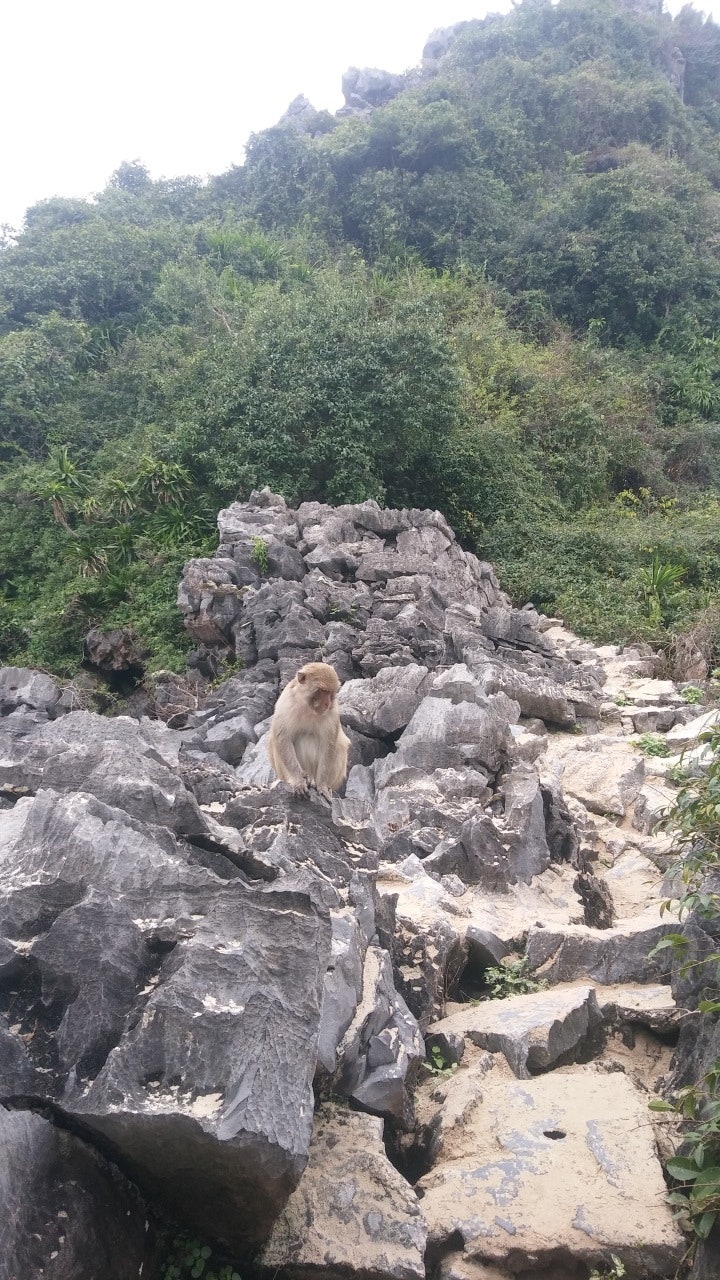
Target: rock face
x=194 y=963
x=67 y=1212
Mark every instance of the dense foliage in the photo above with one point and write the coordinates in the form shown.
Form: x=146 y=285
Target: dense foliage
x=498 y=293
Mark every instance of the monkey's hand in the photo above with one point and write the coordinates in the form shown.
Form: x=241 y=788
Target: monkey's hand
x=301 y=787
x=325 y=792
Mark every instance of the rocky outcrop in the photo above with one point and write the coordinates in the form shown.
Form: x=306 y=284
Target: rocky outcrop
x=368 y=87
x=270 y=1014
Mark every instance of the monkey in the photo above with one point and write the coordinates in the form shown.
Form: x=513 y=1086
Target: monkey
x=307 y=744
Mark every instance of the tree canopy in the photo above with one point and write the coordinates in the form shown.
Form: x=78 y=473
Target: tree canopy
x=497 y=293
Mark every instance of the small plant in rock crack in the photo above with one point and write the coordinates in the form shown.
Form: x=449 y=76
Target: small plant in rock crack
x=614 y=1270
x=677 y=775
x=651 y=744
x=260 y=555
x=621 y=699
x=511 y=977
x=437 y=1063
x=697 y=1197
x=189 y=1259
x=691 y=694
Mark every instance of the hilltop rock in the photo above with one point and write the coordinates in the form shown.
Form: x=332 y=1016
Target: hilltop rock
x=368 y=87
x=193 y=960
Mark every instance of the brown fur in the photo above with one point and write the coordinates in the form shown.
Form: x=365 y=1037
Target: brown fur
x=307 y=743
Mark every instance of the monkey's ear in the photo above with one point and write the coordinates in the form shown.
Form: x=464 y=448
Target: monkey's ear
x=301 y=677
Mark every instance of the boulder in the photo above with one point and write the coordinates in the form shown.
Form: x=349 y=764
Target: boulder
x=544 y=1173
x=21 y=687
x=382 y=1048
x=607 y=781
x=685 y=735
x=612 y=955
x=532 y=1031
x=385 y=704
x=353 y=1214
x=169 y=1024
x=66 y=1211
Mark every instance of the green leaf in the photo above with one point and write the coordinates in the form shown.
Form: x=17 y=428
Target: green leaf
x=682 y=1168
x=704 y=1225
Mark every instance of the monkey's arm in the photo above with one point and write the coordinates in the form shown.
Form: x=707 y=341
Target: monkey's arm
x=284 y=759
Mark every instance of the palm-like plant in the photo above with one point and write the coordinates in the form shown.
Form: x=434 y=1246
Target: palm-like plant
x=162 y=482
x=64 y=486
x=660 y=586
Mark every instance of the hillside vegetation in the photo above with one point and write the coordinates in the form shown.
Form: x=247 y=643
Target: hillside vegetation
x=497 y=293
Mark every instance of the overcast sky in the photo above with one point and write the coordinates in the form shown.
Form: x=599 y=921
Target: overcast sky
x=87 y=84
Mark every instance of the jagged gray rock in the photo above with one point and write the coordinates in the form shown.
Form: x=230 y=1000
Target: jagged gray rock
x=382 y=1048
x=21 y=687
x=66 y=1211
x=185 y=1040
x=187 y=950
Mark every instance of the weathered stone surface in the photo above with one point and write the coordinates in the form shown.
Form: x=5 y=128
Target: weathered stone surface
x=442 y=734
x=114 y=650
x=65 y=1211
x=370 y=87
x=210 y=598
x=546 y=1171
x=535 y=695
x=653 y=719
x=532 y=1031
x=191 y=1041
x=604 y=781
x=685 y=735
x=352 y=1214
x=21 y=687
x=130 y=764
x=382 y=1048
x=650 y=1006
x=596 y=897
x=386 y=703
x=612 y=955
x=652 y=803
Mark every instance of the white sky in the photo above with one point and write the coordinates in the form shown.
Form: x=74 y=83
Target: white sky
x=179 y=85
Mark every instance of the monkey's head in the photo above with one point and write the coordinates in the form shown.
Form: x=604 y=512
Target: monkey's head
x=319 y=684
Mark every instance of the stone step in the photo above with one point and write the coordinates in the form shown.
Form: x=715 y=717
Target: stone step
x=532 y=1031
x=616 y=955
x=559 y=1169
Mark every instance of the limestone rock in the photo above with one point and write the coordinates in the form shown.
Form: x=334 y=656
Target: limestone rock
x=612 y=955
x=685 y=735
x=382 y=1048
x=66 y=1211
x=386 y=703
x=546 y=1170
x=605 y=782
x=352 y=1214
x=21 y=687
x=187 y=1043
x=532 y=1031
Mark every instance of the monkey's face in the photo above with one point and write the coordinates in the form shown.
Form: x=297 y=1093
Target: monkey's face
x=319 y=685
x=321 y=700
